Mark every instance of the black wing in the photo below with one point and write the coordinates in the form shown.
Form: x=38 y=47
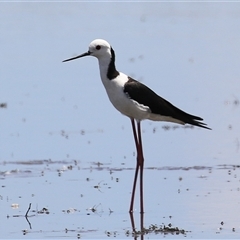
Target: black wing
x=158 y=105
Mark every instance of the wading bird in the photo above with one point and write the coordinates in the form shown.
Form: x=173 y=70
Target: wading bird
x=136 y=101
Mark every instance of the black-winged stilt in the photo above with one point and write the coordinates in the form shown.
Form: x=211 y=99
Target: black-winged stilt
x=136 y=101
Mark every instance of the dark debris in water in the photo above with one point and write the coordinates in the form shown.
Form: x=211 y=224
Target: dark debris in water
x=187 y=168
x=174 y=127
x=37 y=162
x=3 y=105
x=235 y=102
x=154 y=228
x=30 y=170
x=82 y=132
x=43 y=211
x=228 y=166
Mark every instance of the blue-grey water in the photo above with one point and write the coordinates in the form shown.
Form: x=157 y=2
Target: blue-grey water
x=68 y=152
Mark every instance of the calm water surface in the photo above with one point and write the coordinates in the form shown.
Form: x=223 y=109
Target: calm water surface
x=68 y=152
x=70 y=199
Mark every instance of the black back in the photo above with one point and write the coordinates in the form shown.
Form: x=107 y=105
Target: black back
x=144 y=95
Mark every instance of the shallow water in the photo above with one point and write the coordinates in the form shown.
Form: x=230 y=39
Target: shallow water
x=66 y=151
x=70 y=199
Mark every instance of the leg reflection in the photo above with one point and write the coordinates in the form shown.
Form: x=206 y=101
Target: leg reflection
x=135 y=232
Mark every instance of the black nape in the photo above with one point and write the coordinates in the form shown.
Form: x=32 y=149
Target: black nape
x=112 y=72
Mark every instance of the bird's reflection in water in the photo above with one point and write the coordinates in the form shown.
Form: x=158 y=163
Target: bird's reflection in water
x=136 y=233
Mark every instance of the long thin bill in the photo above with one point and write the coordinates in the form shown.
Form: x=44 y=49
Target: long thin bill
x=79 y=56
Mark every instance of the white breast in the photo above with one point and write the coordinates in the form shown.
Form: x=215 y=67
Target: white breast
x=121 y=101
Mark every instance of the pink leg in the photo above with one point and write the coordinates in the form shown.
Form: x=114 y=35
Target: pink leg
x=141 y=165
x=137 y=166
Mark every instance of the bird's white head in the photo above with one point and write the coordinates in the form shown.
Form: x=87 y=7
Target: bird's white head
x=98 y=48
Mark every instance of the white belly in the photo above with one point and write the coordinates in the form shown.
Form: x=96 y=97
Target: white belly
x=121 y=101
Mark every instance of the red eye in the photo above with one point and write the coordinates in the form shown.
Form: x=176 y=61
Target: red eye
x=98 y=47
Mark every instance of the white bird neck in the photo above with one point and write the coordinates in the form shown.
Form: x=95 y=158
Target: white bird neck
x=107 y=66
x=103 y=66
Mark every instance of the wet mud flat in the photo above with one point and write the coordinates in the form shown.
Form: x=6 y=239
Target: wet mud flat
x=72 y=199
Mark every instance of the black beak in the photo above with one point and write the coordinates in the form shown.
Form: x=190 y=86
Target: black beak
x=79 y=56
